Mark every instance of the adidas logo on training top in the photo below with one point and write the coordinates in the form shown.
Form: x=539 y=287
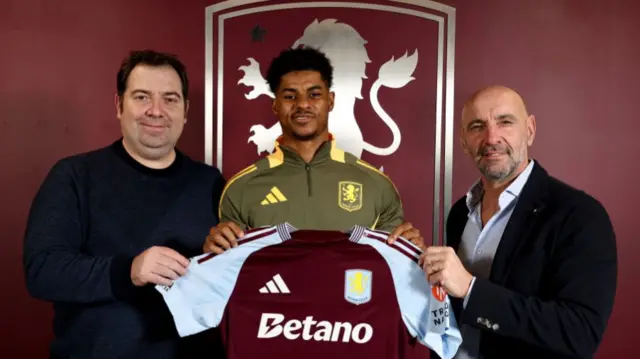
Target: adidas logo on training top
x=274 y=196
x=275 y=285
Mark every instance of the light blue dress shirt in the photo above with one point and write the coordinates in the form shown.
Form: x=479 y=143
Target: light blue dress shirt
x=478 y=247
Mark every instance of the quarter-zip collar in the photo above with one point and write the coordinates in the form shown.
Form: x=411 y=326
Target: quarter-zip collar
x=326 y=151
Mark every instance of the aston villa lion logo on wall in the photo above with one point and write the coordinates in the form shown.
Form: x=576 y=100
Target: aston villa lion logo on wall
x=346 y=49
x=392 y=79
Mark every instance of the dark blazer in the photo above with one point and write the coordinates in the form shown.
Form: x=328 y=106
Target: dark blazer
x=552 y=284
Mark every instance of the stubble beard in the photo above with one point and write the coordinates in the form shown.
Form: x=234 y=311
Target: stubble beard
x=499 y=173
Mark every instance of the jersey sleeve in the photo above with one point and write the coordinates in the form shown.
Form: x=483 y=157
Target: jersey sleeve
x=198 y=300
x=425 y=310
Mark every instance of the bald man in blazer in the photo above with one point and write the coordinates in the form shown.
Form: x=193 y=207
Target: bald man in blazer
x=530 y=262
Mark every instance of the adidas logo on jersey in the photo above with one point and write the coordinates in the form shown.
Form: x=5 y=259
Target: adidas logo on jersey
x=275 y=285
x=272 y=326
x=274 y=196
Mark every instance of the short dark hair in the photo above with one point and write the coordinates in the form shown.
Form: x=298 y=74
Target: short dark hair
x=300 y=59
x=151 y=58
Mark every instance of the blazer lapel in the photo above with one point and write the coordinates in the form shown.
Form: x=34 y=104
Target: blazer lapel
x=524 y=216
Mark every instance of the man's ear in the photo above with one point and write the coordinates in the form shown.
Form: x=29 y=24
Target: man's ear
x=332 y=97
x=531 y=129
x=186 y=110
x=118 y=102
x=463 y=142
x=465 y=147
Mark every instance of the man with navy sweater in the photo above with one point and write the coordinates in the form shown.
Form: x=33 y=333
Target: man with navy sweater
x=108 y=225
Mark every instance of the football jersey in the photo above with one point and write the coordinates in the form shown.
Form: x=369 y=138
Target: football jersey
x=315 y=294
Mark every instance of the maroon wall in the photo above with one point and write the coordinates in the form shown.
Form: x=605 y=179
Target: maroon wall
x=573 y=61
x=58 y=67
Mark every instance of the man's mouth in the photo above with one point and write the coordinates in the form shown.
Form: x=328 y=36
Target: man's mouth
x=493 y=154
x=153 y=128
x=303 y=117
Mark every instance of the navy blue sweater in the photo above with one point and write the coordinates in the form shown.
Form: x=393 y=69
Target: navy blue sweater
x=92 y=215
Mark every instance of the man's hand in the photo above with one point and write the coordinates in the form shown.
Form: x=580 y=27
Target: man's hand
x=443 y=267
x=222 y=237
x=158 y=265
x=409 y=233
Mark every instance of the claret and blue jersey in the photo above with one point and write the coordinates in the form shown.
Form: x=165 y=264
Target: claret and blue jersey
x=315 y=294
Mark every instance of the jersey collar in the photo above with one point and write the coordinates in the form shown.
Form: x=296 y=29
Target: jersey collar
x=285 y=229
x=355 y=233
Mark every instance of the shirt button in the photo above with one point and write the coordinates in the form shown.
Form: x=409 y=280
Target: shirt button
x=479 y=251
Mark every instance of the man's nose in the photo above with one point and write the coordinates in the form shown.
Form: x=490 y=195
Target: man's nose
x=492 y=134
x=155 y=108
x=303 y=102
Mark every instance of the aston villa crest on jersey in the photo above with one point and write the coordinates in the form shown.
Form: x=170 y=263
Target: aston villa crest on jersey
x=357 y=286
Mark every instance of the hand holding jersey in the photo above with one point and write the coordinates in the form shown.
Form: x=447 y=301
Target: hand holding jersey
x=408 y=232
x=158 y=265
x=222 y=237
x=444 y=268
x=225 y=235
x=368 y=293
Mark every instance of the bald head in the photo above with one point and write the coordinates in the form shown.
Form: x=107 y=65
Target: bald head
x=496 y=94
x=496 y=131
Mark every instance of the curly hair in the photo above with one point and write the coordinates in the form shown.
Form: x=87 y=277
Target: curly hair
x=300 y=59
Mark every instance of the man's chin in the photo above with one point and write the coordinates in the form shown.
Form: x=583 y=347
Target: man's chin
x=155 y=142
x=305 y=136
x=497 y=172
x=157 y=147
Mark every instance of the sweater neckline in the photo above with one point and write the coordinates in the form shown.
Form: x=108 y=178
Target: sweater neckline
x=121 y=152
